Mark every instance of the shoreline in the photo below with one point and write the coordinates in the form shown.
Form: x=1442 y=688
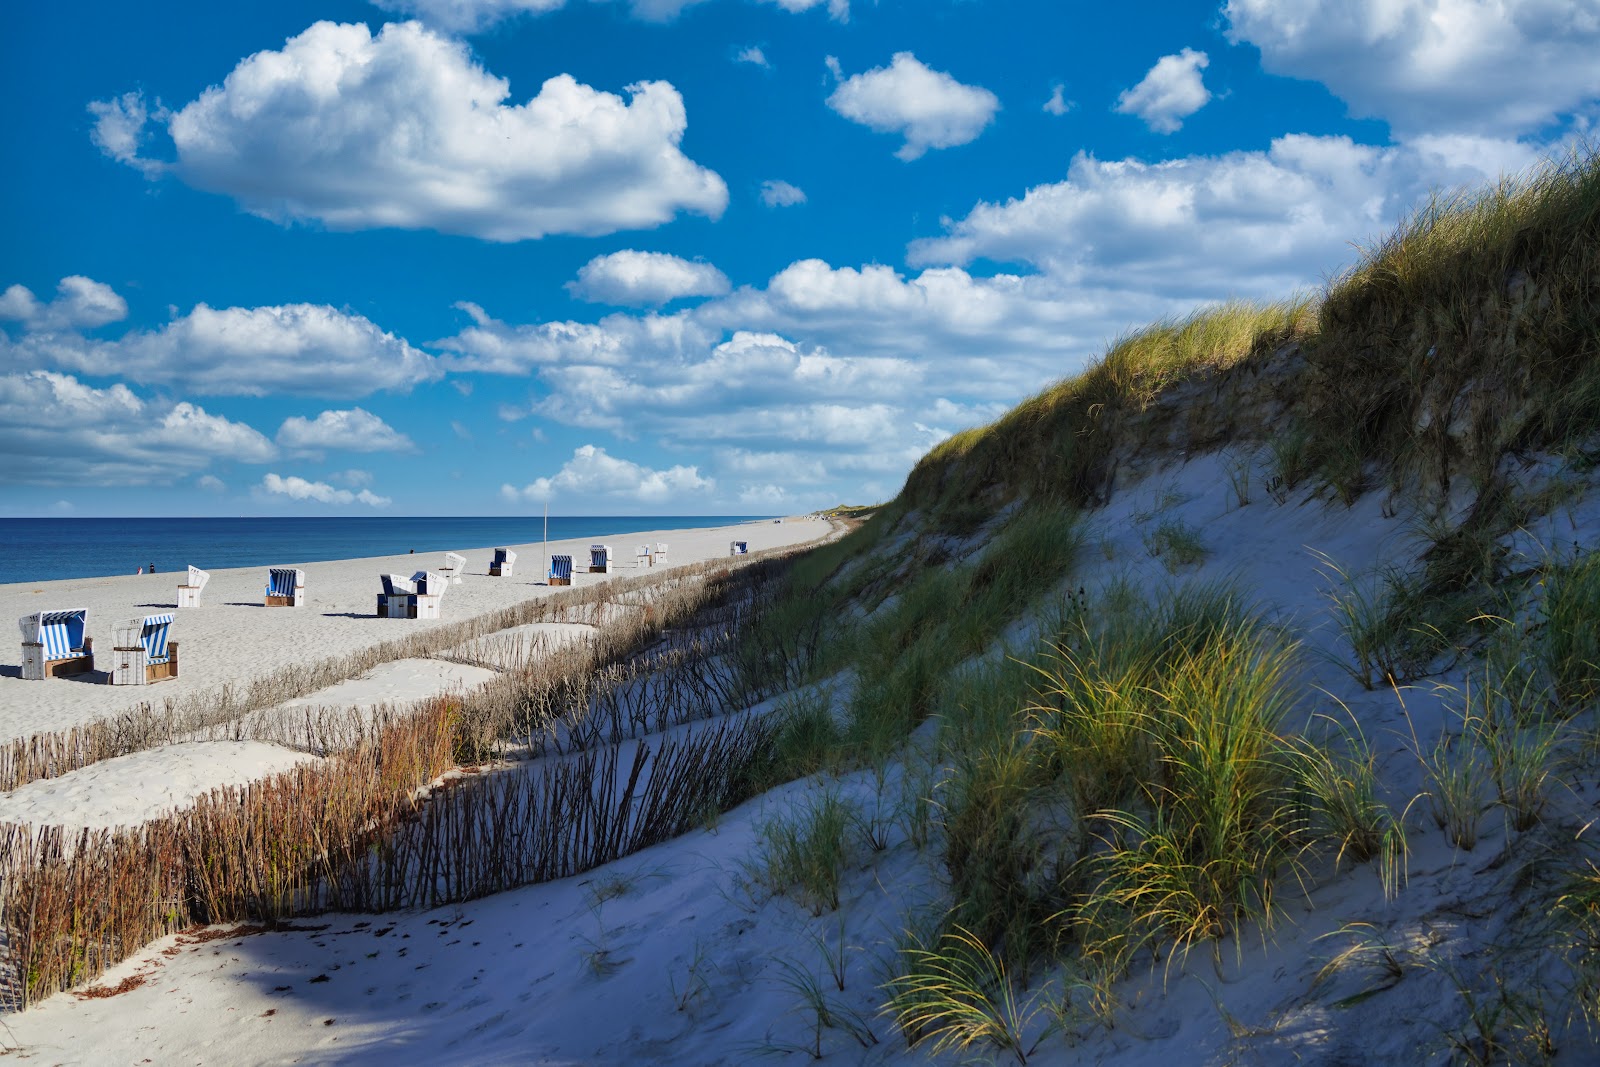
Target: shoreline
x=177 y=541
x=231 y=638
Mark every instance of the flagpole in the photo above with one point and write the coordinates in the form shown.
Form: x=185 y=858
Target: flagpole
x=546 y=540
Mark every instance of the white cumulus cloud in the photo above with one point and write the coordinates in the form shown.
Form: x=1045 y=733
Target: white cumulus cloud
x=80 y=303
x=1205 y=227
x=1169 y=93
x=777 y=193
x=752 y=55
x=1489 y=67
x=640 y=279
x=593 y=473
x=56 y=429
x=297 y=488
x=407 y=130
x=1058 y=104
x=306 y=349
x=929 y=108
x=350 y=430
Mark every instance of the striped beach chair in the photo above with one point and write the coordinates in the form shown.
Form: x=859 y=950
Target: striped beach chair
x=426 y=600
x=286 y=587
x=144 y=653
x=738 y=548
x=54 y=644
x=661 y=553
x=599 y=559
x=560 y=570
x=395 y=600
x=189 y=591
x=504 y=560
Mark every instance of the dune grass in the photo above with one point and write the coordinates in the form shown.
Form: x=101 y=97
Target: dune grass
x=1063 y=441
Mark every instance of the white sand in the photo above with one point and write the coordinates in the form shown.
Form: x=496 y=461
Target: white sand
x=131 y=789
x=401 y=681
x=231 y=637
x=508 y=648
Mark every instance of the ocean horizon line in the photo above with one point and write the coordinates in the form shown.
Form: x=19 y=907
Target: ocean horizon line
x=34 y=549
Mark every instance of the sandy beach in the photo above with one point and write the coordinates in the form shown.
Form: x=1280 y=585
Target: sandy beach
x=233 y=638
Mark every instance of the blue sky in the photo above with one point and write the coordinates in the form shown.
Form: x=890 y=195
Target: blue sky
x=676 y=256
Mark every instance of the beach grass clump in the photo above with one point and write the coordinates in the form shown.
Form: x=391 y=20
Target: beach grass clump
x=804 y=851
x=1465 y=333
x=1569 y=640
x=954 y=994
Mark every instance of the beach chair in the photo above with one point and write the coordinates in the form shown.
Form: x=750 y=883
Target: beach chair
x=455 y=565
x=430 y=587
x=738 y=548
x=286 y=587
x=661 y=553
x=395 y=600
x=504 y=560
x=641 y=556
x=189 y=591
x=560 y=570
x=54 y=645
x=599 y=559
x=143 y=653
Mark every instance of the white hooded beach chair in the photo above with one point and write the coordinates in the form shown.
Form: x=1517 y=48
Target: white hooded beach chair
x=189 y=591
x=395 y=602
x=455 y=565
x=641 y=556
x=54 y=645
x=599 y=559
x=661 y=553
x=286 y=587
x=560 y=570
x=430 y=592
x=504 y=561
x=143 y=652
x=738 y=548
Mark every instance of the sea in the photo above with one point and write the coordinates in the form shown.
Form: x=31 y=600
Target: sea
x=36 y=550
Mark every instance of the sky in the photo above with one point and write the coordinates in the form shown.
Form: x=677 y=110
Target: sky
x=433 y=257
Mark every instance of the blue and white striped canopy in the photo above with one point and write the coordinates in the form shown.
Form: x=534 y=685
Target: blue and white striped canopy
x=154 y=637
x=60 y=632
x=281 y=581
x=599 y=555
x=561 y=566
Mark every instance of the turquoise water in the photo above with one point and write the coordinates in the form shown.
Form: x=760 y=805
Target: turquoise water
x=34 y=550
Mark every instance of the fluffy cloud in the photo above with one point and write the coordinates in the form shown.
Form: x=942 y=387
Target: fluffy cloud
x=777 y=193
x=80 y=303
x=1169 y=93
x=752 y=55
x=56 y=429
x=1496 y=68
x=297 y=488
x=1203 y=227
x=307 y=349
x=593 y=473
x=641 y=279
x=351 y=430
x=406 y=130
x=1058 y=104
x=929 y=108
